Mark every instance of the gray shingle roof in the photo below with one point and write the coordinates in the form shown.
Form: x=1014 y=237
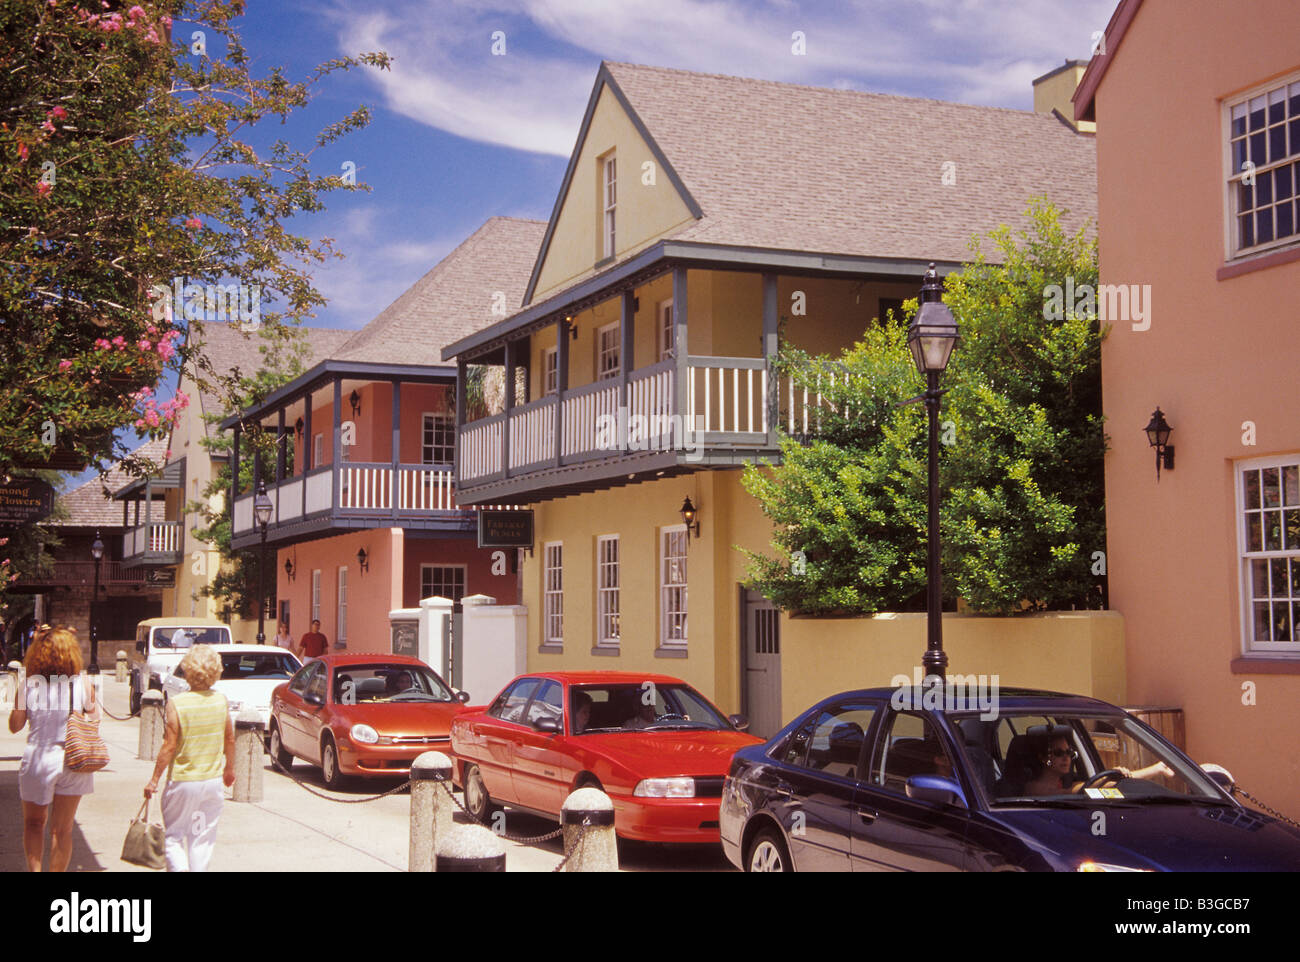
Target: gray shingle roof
x=784 y=166
x=87 y=504
x=453 y=299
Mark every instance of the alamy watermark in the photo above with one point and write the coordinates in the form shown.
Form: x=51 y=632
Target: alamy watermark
x=650 y=432
x=1107 y=302
x=950 y=693
x=210 y=302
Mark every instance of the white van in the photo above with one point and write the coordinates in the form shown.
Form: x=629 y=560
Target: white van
x=161 y=643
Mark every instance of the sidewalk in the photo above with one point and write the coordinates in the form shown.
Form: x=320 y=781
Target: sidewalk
x=291 y=830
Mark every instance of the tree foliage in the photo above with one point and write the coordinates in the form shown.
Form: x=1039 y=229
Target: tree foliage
x=1022 y=507
x=130 y=160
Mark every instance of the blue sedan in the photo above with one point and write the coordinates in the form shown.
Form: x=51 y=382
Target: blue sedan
x=898 y=780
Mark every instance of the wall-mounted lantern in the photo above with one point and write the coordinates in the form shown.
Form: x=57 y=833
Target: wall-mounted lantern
x=363 y=559
x=691 y=518
x=288 y=568
x=1158 y=431
x=355 y=400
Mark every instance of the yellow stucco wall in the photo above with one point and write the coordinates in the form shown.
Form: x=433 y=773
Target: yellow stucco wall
x=644 y=212
x=1055 y=93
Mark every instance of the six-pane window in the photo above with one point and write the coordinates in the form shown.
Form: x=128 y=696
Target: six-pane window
x=442 y=581
x=439 y=439
x=341 y=632
x=1270 y=540
x=610 y=168
x=553 y=576
x=665 y=329
x=315 y=595
x=607 y=629
x=672 y=587
x=551 y=369
x=607 y=345
x=1264 y=147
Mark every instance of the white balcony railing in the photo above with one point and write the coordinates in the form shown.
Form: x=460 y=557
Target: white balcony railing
x=532 y=433
x=161 y=537
x=582 y=416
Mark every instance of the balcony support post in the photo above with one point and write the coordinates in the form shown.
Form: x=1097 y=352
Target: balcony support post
x=510 y=361
x=336 y=495
x=462 y=371
x=627 y=320
x=770 y=349
x=148 y=516
x=683 y=371
x=561 y=382
x=280 y=458
x=307 y=447
x=396 y=423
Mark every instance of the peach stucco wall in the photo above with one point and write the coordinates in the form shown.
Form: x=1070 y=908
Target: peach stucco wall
x=373 y=426
x=1218 y=353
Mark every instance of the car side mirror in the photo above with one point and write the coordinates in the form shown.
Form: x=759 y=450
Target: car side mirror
x=739 y=722
x=1220 y=776
x=547 y=724
x=312 y=698
x=462 y=697
x=936 y=790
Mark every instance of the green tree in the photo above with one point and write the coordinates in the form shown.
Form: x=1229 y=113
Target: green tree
x=1020 y=467
x=128 y=161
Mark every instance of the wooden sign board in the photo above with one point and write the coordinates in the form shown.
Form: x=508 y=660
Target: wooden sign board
x=505 y=529
x=24 y=500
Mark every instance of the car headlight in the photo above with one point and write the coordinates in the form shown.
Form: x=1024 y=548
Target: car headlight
x=1091 y=866
x=364 y=734
x=665 y=788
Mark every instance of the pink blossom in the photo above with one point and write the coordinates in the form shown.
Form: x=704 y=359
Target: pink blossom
x=136 y=12
x=119 y=342
x=47 y=127
x=43 y=189
x=102 y=344
x=145 y=391
x=152 y=418
x=167 y=454
x=145 y=344
x=58 y=112
x=166 y=21
x=64 y=364
x=193 y=223
x=182 y=399
x=152 y=36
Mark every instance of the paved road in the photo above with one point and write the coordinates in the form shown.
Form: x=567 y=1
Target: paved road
x=291 y=829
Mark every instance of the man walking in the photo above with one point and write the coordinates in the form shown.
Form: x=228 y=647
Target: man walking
x=313 y=643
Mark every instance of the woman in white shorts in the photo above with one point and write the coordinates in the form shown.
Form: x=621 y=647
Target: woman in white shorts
x=197 y=734
x=54 y=686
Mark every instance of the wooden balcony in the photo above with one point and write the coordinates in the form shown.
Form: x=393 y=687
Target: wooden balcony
x=153 y=543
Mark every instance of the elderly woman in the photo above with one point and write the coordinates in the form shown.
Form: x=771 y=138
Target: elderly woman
x=54 y=687
x=197 y=733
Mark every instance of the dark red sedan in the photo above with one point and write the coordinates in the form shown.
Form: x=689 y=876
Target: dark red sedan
x=655 y=745
x=362 y=714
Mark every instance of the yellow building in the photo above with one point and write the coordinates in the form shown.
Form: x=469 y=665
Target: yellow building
x=703 y=223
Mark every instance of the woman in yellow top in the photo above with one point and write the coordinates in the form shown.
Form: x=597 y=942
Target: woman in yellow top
x=197 y=734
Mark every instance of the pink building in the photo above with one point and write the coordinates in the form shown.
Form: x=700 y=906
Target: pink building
x=1197 y=105
x=365 y=519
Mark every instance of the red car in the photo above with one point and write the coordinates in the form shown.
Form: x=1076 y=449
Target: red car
x=655 y=745
x=363 y=714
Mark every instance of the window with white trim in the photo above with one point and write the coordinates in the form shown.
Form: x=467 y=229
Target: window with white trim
x=438 y=440
x=609 y=200
x=553 y=593
x=665 y=327
x=607 y=582
x=1264 y=164
x=317 y=450
x=442 y=581
x=341 y=627
x=315 y=595
x=672 y=587
x=607 y=351
x=550 y=370
x=1268 y=495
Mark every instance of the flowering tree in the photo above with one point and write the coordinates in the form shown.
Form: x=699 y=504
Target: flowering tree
x=133 y=186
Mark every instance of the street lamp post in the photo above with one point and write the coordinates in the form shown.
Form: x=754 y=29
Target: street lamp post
x=262 y=511
x=96 y=552
x=931 y=338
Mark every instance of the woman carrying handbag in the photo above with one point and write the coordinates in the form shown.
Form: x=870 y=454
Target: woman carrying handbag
x=54 y=688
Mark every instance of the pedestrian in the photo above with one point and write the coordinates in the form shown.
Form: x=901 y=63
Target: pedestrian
x=197 y=732
x=313 y=643
x=53 y=688
x=283 y=638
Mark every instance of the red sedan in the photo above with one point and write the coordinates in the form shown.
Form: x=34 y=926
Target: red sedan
x=363 y=714
x=655 y=745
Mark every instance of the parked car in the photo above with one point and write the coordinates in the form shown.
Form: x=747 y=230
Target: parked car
x=654 y=744
x=1051 y=783
x=362 y=714
x=160 y=644
x=249 y=674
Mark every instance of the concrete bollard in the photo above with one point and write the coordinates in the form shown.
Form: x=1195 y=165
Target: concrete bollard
x=471 y=848
x=151 y=725
x=248 y=757
x=120 y=672
x=598 y=851
x=430 y=808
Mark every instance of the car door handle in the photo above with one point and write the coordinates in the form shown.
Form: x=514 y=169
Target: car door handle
x=784 y=790
x=868 y=815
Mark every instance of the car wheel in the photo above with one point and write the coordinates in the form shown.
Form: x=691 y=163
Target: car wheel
x=767 y=853
x=477 y=801
x=283 y=758
x=135 y=701
x=329 y=764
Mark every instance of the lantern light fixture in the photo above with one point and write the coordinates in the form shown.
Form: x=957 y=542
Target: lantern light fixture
x=1158 y=431
x=691 y=518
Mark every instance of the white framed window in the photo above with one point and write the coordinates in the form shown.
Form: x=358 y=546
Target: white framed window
x=553 y=593
x=442 y=581
x=341 y=628
x=664 y=315
x=607 y=582
x=315 y=594
x=1263 y=156
x=607 y=351
x=609 y=201
x=317 y=450
x=672 y=587
x=1268 y=528
x=438 y=440
x=550 y=370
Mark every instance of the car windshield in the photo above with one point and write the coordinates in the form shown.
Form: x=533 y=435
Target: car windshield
x=1037 y=759
x=641 y=707
x=369 y=684
x=187 y=637
x=244 y=666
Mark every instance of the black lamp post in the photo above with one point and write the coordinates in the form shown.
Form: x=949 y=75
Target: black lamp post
x=931 y=338
x=96 y=552
x=262 y=511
